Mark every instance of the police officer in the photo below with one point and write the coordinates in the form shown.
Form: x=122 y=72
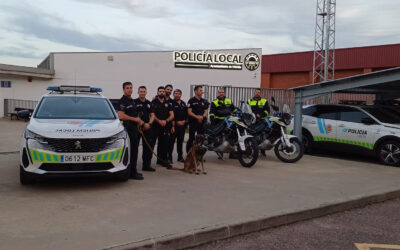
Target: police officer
x=168 y=98
x=163 y=116
x=260 y=108
x=168 y=92
x=259 y=105
x=128 y=114
x=221 y=108
x=197 y=112
x=179 y=124
x=146 y=114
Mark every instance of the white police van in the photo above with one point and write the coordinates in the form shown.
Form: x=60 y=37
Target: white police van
x=358 y=129
x=74 y=130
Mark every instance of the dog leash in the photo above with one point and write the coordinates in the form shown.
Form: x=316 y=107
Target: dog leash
x=151 y=149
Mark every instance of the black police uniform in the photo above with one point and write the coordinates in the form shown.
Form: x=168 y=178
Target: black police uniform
x=161 y=111
x=198 y=107
x=144 y=109
x=180 y=114
x=170 y=143
x=127 y=105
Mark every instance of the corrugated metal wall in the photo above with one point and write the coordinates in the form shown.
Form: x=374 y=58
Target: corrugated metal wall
x=382 y=56
x=282 y=96
x=11 y=104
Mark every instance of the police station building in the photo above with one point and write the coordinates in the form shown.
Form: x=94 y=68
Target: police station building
x=108 y=70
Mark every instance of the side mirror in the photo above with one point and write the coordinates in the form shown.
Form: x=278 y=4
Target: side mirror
x=24 y=114
x=368 y=121
x=272 y=99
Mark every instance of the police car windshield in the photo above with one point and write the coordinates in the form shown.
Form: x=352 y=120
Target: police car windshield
x=71 y=107
x=383 y=114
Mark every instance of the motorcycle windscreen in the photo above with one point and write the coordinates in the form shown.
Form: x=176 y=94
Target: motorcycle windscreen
x=286 y=109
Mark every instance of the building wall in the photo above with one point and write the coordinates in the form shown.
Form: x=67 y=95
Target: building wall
x=287 y=80
x=22 y=89
x=151 y=69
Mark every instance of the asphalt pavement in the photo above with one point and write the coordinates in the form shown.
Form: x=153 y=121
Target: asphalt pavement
x=376 y=226
x=99 y=213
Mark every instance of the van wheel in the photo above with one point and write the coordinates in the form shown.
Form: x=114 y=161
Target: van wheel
x=388 y=153
x=25 y=178
x=307 y=141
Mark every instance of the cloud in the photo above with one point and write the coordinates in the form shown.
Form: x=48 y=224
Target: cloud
x=120 y=25
x=149 y=9
x=53 y=28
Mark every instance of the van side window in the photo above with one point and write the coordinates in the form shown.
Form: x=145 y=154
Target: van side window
x=349 y=114
x=327 y=112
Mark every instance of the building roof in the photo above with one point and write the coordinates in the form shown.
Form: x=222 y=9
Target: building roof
x=6 y=69
x=384 y=82
x=382 y=56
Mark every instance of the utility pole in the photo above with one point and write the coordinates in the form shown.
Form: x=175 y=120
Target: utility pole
x=324 y=45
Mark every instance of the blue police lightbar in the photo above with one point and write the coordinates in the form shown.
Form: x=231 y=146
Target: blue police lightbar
x=71 y=88
x=68 y=88
x=53 y=88
x=96 y=90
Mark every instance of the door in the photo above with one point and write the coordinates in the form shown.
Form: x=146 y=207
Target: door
x=352 y=131
x=321 y=121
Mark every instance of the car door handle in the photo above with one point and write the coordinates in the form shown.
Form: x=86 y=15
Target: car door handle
x=341 y=126
x=313 y=122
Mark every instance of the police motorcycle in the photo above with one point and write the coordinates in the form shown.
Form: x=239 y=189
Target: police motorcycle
x=233 y=136
x=271 y=133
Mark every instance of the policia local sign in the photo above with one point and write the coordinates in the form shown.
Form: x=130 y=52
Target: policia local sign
x=213 y=60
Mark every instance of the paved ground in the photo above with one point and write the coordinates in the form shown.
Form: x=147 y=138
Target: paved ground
x=94 y=214
x=10 y=134
x=375 y=224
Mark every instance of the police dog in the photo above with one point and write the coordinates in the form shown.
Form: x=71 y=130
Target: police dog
x=194 y=157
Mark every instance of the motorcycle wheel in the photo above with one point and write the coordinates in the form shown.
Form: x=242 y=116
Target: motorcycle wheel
x=248 y=157
x=289 y=155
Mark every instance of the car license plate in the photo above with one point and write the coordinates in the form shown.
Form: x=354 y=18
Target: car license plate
x=78 y=158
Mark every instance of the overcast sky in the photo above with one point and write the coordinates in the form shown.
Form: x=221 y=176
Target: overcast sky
x=31 y=29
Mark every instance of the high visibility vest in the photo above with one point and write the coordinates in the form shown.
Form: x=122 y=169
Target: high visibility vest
x=218 y=103
x=258 y=103
x=227 y=102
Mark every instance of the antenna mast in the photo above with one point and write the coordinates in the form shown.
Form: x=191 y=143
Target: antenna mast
x=324 y=45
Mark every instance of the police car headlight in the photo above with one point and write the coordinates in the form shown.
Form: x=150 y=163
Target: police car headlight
x=38 y=138
x=117 y=140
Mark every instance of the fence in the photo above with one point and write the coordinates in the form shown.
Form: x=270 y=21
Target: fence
x=281 y=96
x=11 y=104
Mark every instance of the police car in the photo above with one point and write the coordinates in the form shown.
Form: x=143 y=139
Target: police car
x=359 y=129
x=74 y=130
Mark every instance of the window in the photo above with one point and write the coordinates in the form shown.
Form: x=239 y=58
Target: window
x=322 y=111
x=6 y=84
x=70 y=107
x=310 y=110
x=384 y=114
x=349 y=114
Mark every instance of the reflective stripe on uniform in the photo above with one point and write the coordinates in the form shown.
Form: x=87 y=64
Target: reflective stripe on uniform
x=227 y=102
x=260 y=103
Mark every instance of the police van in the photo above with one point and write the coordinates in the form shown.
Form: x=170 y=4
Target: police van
x=360 y=129
x=74 y=130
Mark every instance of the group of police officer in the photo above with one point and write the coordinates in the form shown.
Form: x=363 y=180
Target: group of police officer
x=165 y=119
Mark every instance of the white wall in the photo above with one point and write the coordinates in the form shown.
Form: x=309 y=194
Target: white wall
x=151 y=69
x=22 y=89
x=145 y=68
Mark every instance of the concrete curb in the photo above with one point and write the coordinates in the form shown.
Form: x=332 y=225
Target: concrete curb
x=209 y=234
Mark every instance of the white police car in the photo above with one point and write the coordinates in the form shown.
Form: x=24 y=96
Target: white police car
x=371 y=129
x=74 y=130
